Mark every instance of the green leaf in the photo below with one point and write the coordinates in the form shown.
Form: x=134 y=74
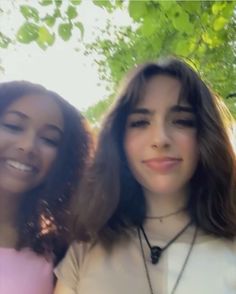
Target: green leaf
x=149 y=26
x=29 y=12
x=191 y=6
x=182 y=48
x=64 y=31
x=75 y=2
x=57 y=13
x=103 y=4
x=80 y=26
x=58 y=3
x=45 y=2
x=181 y=22
x=229 y=9
x=137 y=9
x=50 y=20
x=207 y=38
x=45 y=37
x=217 y=7
x=166 y=5
x=211 y=38
x=202 y=48
x=205 y=18
x=71 y=12
x=4 y=41
x=27 y=33
x=219 y=23
x=119 y=3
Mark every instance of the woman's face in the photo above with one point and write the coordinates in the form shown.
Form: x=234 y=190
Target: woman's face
x=31 y=130
x=161 y=139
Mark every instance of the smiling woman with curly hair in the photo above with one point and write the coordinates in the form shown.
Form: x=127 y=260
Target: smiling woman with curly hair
x=44 y=149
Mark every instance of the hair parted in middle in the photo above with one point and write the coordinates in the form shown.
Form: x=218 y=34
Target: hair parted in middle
x=111 y=200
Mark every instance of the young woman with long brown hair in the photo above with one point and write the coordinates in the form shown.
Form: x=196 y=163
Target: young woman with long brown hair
x=158 y=206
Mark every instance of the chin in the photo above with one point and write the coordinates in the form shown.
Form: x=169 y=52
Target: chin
x=165 y=190
x=15 y=188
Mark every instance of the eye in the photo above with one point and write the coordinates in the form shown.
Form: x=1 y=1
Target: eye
x=12 y=127
x=50 y=141
x=139 y=123
x=190 y=123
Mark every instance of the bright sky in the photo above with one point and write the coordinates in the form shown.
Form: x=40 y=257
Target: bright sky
x=59 y=68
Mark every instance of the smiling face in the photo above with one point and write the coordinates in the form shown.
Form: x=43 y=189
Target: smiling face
x=160 y=139
x=31 y=130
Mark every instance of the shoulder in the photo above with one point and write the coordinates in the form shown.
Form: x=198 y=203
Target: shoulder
x=234 y=245
x=25 y=255
x=75 y=255
x=68 y=271
x=33 y=270
x=78 y=251
x=226 y=247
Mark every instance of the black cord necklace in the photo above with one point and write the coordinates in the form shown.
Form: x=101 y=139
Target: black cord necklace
x=182 y=268
x=156 y=251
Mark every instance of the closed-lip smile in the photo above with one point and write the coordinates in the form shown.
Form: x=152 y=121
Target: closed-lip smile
x=162 y=164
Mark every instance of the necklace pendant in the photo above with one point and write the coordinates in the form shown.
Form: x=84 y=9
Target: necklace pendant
x=155 y=254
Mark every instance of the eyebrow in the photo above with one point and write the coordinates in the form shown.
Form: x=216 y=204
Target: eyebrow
x=54 y=127
x=24 y=116
x=175 y=108
x=141 y=111
x=182 y=108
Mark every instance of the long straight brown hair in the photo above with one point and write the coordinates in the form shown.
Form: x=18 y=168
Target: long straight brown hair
x=111 y=200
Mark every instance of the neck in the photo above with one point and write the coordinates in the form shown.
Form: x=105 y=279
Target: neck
x=159 y=205
x=9 y=205
x=164 y=205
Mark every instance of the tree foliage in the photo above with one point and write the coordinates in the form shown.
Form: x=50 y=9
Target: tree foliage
x=201 y=32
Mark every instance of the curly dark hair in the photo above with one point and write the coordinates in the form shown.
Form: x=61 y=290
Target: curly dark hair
x=114 y=199
x=43 y=212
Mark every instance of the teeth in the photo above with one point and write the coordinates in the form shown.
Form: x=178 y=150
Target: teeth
x=19 y=166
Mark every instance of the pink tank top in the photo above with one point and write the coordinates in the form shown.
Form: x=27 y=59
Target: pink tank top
x=24 y=272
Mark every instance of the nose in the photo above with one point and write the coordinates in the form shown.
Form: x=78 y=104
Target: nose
x=27 y=143
x=160 y=136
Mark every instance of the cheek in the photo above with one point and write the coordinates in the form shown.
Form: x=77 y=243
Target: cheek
x=190 y=148
x=134 y=144
x=131 y=150
x=128 y=146
x=7 y=137
x=49 y=157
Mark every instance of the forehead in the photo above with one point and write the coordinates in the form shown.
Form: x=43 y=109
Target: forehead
x=37 y=107
x=161 y=91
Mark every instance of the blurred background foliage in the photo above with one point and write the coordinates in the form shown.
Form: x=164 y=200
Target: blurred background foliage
x=201 y=32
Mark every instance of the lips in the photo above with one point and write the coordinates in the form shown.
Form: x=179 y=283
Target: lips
x=163 y=164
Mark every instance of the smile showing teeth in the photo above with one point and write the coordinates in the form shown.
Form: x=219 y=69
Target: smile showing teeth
x=19 y=166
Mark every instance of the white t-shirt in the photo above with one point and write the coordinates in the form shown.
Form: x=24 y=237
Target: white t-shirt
x=211 y=268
